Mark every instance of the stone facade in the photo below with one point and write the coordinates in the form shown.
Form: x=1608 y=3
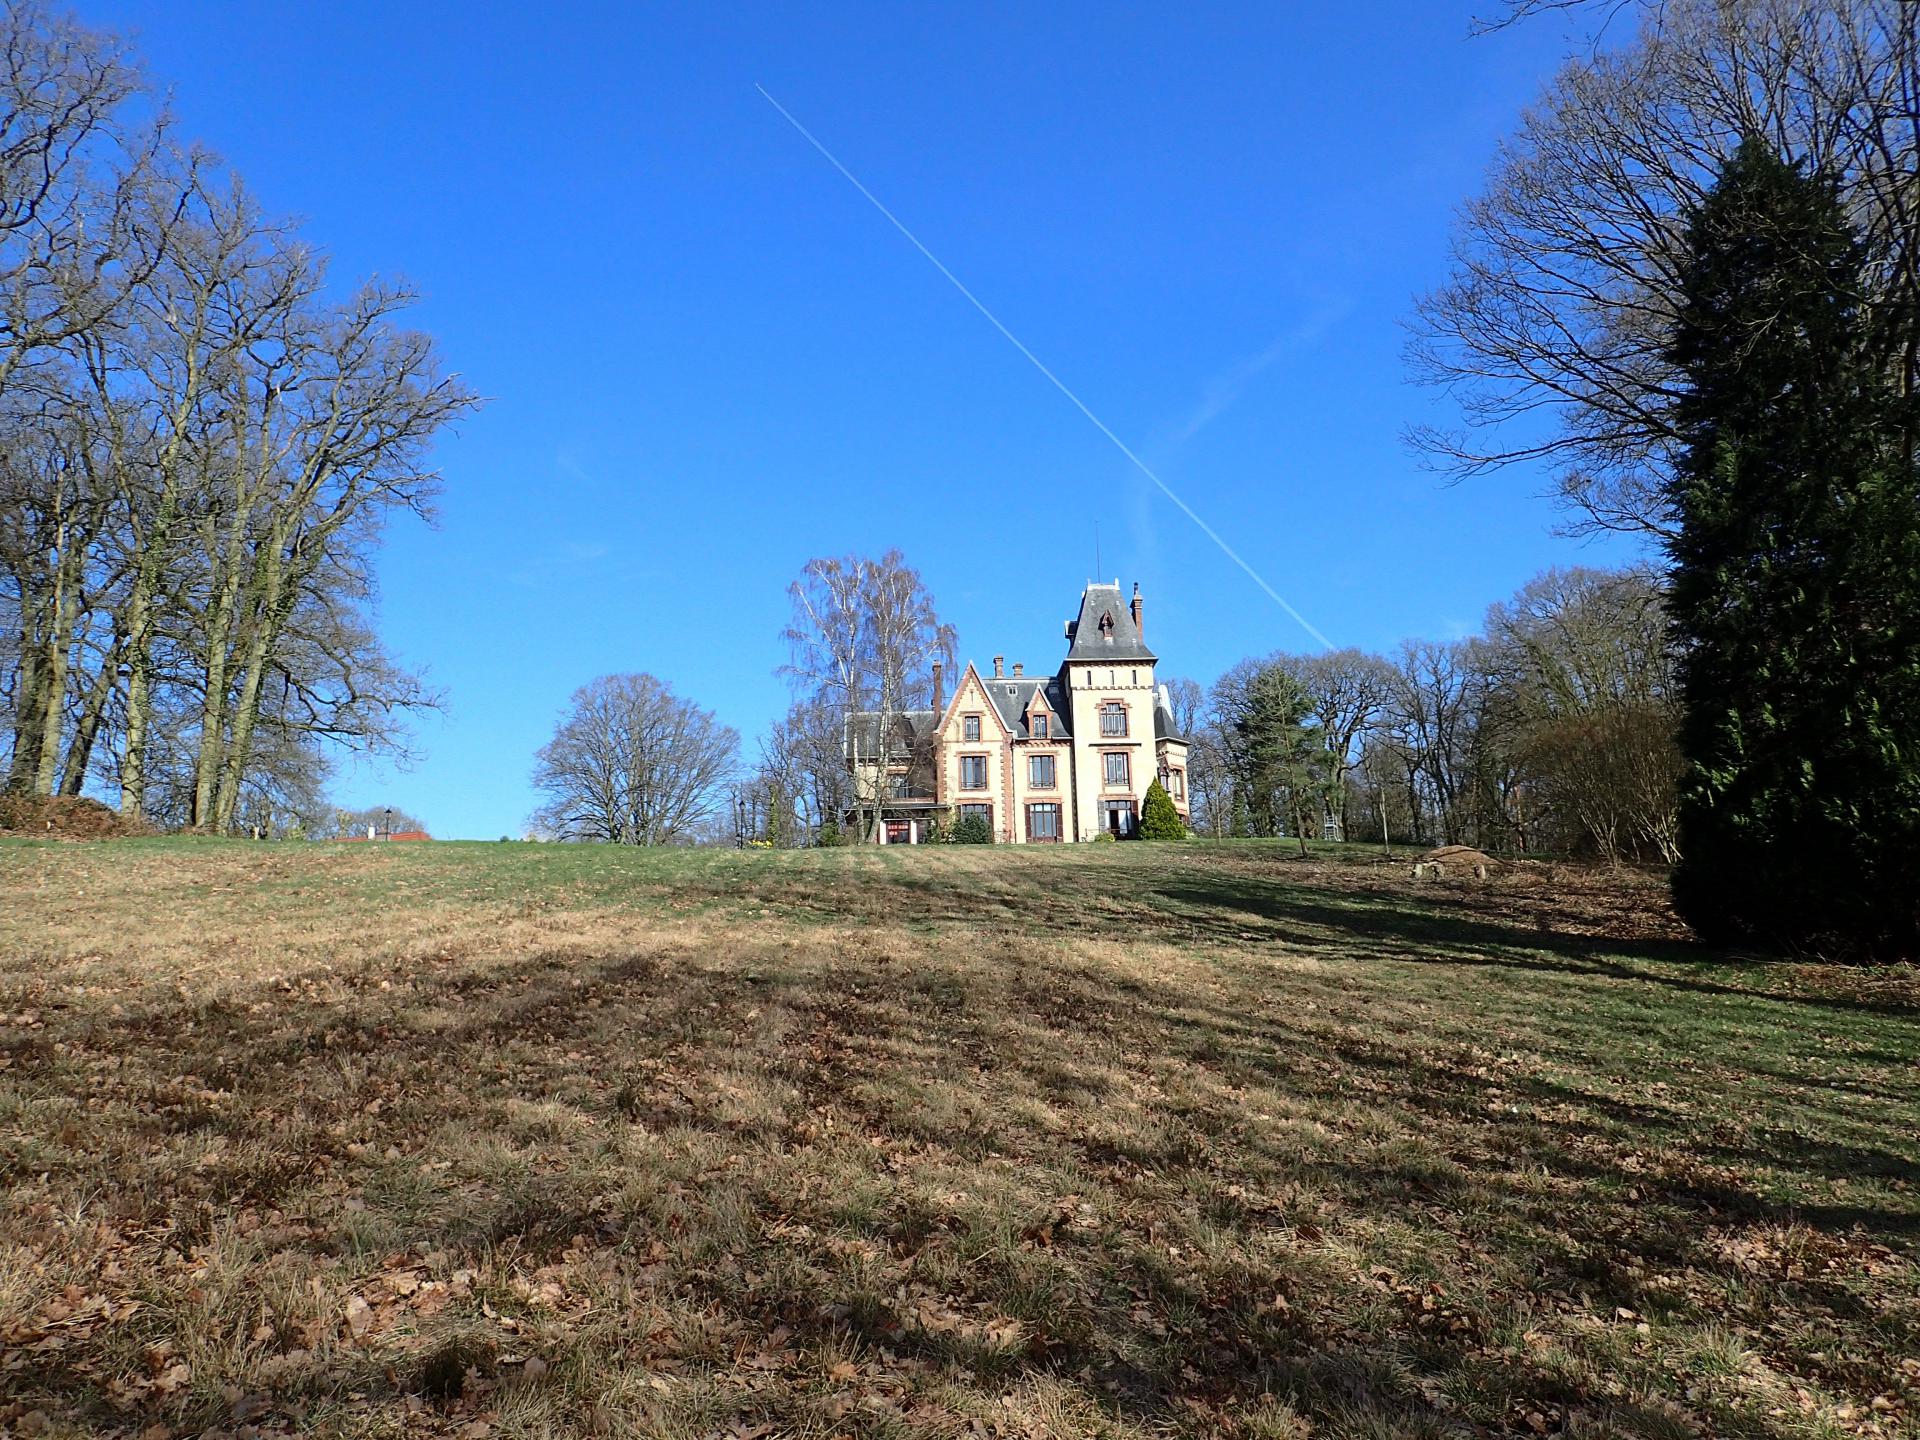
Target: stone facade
x=1045 y=760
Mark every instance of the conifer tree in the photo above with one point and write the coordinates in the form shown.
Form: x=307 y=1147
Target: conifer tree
x=1159 y=820
x=1795 y=585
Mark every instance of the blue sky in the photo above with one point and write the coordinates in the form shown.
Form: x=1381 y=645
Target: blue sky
x=709 y=359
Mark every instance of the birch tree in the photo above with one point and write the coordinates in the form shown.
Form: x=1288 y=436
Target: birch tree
x=863 y=638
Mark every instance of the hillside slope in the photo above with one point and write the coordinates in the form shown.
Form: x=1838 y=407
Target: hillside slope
x=1123 y=1140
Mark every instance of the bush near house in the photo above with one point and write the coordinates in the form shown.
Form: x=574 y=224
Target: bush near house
x=971 y=830
x=1158 y=819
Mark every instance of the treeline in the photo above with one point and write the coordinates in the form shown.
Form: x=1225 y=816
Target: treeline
x=199 y=446
x=633 y=763
x=1552 y=731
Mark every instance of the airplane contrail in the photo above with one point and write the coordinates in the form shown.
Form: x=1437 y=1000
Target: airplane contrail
x=1033 y=359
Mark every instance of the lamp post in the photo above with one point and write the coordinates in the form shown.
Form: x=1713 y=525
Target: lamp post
x=389 y=815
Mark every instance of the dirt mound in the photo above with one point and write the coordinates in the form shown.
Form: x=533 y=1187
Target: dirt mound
x=66 y=817
x=1456 y=860
x=1464 y=856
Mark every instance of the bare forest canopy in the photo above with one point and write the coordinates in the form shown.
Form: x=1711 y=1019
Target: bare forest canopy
x=1552 y=330
x=201 y=440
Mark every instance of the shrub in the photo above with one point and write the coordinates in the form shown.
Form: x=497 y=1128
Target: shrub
x=1158 y=819
x=972 y=830
x=829 y=836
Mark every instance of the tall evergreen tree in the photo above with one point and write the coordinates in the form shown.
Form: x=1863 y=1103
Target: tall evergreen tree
x=1274 y=751
x=1796 y=583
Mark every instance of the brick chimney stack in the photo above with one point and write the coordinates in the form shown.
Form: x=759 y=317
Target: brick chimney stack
x=1018 y=669
x=1139 y=628
x=939 y=688
x=999 y=667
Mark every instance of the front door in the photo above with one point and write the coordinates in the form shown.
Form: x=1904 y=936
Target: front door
x=1117 y=818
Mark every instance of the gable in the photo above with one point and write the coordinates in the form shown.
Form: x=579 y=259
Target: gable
x=971 y=697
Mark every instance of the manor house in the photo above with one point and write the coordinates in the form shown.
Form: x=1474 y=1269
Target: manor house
x=1042 y=759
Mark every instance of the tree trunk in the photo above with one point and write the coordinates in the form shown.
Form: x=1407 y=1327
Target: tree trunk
x=275 y=583
x=80 y=753
x=213 y=699
x=28 y=722
x=54 y=711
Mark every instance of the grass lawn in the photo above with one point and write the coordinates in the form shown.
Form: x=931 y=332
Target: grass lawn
x=1129 y=1140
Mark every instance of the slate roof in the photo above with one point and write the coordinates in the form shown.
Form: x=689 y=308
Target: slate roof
x=1011 y=696
x=1118 y=641
x=1163 y=720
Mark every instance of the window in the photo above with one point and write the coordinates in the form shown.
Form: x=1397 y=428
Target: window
x=1113 y=718
x=1040 y=772
x=1177 y=783
x=1043 y=822
x=978 y=812
x=1116 y=817
x=1040 y=727
x=1113 y=766
x=899 y=787
x=973 y=772
x=1136 y=677
x=970 y=727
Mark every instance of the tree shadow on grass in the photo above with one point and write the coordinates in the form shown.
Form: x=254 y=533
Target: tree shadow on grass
x=1151 y=1337
x=1445 y=937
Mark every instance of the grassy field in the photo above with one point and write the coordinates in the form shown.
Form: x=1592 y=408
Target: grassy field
x=1128 y=1140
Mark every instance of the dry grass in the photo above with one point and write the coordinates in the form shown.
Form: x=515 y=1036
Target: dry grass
x=1118 y=1140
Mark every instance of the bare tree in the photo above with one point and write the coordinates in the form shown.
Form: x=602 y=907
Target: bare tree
x=1430 y=720
x=198 y=451
x=1550 y=330
x=803 y=759
x=1582 y=662
x=634 y=764
x=864 y=636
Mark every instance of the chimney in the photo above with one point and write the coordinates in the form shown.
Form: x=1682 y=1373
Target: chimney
x=999 y=667
x=939 y=688
x=1139 y=629
x=1018 y=669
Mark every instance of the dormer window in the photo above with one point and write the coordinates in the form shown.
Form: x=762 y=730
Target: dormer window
x=1040 y=727
x=1106 y=625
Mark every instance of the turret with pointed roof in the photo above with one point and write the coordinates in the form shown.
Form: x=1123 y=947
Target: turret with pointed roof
x=1108 y=628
